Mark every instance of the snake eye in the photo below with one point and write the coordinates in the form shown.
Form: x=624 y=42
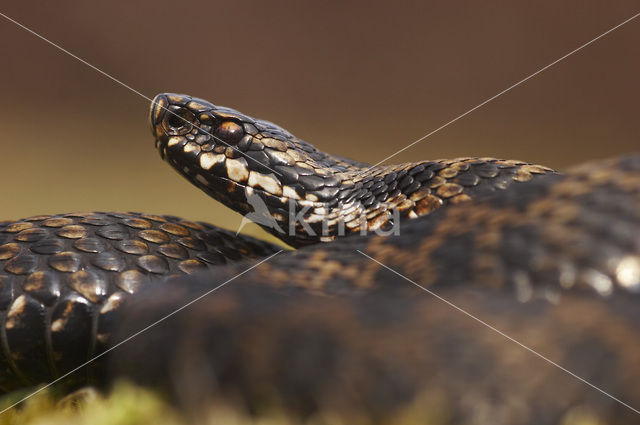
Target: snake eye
x=178 y=121
x=229 y=132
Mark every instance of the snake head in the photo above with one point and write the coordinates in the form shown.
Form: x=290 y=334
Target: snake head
x=229 y=155
x=236 y=159
x=219 y=149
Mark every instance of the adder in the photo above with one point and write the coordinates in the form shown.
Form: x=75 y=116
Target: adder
x=343 y=325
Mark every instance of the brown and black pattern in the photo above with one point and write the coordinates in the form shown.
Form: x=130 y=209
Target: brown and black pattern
x=556 y=233
x=388 y=357
x=553 y=260
x=63 y=276
x=555 y=264
x=231 y=156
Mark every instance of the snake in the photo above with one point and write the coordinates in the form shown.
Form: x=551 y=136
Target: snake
x=311 y=195
x=342 y=323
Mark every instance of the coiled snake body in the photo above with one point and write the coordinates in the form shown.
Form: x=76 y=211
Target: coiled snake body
x=552 y=259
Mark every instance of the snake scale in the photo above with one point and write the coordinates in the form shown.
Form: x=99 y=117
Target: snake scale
x=344 y=327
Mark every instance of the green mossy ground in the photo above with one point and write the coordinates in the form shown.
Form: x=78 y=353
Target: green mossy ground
x=126 y=405
x=130 y=405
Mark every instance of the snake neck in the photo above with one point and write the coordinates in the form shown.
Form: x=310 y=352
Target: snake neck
x=301 y=194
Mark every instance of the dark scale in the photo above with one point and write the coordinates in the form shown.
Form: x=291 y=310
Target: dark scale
x=60 y=273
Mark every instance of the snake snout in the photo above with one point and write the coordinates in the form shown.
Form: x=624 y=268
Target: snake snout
x=170 y=114
x=156 y=111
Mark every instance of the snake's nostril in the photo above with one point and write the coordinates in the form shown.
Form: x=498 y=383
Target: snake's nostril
x=176 y=121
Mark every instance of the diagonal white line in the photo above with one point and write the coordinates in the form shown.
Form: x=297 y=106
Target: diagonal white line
x=371 y=258
x=532 y=351
x=129 y=338
x=112 y=78
x=506 y=90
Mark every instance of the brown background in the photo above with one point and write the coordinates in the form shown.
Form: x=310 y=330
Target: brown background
x=360 y=80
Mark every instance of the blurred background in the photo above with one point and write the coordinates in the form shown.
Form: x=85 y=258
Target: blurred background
x=360 y=80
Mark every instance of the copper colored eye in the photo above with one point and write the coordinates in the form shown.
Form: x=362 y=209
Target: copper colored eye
x=229 y=132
